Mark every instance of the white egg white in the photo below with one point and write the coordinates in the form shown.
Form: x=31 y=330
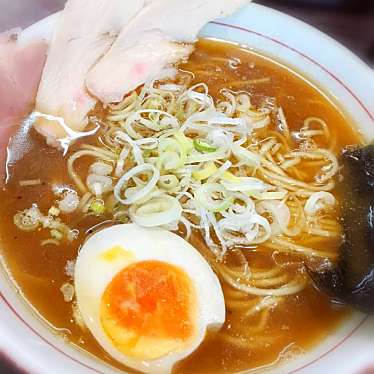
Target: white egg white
x=93 y=274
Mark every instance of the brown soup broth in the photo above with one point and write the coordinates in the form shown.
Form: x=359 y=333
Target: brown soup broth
x=302 y=320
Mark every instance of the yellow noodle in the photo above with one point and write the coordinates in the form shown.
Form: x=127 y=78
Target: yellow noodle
x=240 y=304
x=244 y=83
x=246 y=343
x=312 y=120
x=84 y=200
x=71 y=171
x=234 y=294
x=291 y=288
x=270 y=282
x=108 y=154
x=321 y=232
x=291 y=183
x=265 y=303
x=284 y=245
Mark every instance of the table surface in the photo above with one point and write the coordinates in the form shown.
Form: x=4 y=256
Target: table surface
x=355 y=29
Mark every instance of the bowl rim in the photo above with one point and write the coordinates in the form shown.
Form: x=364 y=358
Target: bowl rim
x=31 y=32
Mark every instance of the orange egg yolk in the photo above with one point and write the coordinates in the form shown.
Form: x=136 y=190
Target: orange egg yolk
x=149 y=310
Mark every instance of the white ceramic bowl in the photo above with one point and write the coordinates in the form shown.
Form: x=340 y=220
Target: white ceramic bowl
x=29 y=343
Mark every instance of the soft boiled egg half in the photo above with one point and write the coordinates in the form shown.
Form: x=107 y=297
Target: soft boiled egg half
x=147 y=296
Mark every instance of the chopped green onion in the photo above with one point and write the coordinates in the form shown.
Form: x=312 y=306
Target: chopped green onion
x=213 y=197
x=168 y=182
x=29 y=219
x=56 y=234
x=139 y=192
x=242 y=154
x=148 y=153
x=205 y=173
x=246 y=184
x=205 y=157
x=160 y=210
x=97 y=207
x=171 y=154
x=204 y=147
x=53 y=211
x=185 y=142
x=230 y=177
x=272 y=195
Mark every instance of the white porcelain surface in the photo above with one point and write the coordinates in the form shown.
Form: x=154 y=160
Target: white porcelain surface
x=28 y=341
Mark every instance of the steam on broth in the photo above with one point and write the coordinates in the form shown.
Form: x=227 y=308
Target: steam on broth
x=281 y=176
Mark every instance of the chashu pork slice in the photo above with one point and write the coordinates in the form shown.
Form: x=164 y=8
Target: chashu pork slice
x=84 y=32
x=152 y=43
x=20 y=71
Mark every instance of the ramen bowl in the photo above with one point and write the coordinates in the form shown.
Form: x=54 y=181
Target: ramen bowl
x=34 y=347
